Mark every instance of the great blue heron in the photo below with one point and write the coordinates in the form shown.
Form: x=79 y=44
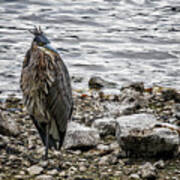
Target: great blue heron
x=47 y=92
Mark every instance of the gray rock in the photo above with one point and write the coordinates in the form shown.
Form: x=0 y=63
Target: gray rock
x=159 y=164
x=80 y=137
x=137 y=86
x=148 y=171
x=52 y=172
x=170 y=94
x=97 y=82
x=131 y=100
x=44 y=177
x=138 y=137
x=7 y=126
x=176 y=110
x=34 y=170
x=102 y=147
x=134 y=177
x=106 y=126
x=104 y=160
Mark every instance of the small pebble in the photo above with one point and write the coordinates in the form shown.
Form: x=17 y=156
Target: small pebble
x=34 y=170
x=44 y=177
x=134 y=177
x=159 y=164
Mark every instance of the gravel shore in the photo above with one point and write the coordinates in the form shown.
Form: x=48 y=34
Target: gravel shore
x=100 y=156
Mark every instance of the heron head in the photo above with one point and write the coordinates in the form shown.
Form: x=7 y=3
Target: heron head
x=41 y=40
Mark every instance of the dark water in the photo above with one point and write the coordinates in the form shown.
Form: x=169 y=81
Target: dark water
x=119 y=40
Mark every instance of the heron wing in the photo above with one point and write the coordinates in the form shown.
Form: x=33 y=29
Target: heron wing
x=59 y=98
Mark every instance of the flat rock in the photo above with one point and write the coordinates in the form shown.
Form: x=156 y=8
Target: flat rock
x=106 y=126
x=138 y=136
x=44 y=177
x=34 y=170
x=7 y=126
x=80 y=137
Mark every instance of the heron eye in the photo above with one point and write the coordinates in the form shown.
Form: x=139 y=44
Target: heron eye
x=40 y=43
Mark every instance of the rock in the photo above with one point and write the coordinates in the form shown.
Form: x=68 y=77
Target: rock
x=104 y=160
x=96 y=82
x=137 y=86
x=77 y=79
x=44 y=177
x=134 y=177
x=43 y=164
x=35 y=170
x=52 y=172
x=176 y=110
x=131 y=100
x=7 y=126
x=102 y=147
x=148 y=171
x=170 y=94
x=106 y=126
x=137 y=136
x=82 y=168
x=159 y=164
x=80 y=137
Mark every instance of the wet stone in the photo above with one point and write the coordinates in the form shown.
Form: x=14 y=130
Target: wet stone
x=96 y=82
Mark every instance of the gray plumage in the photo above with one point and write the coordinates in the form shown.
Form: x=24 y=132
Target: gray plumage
x=47 y=92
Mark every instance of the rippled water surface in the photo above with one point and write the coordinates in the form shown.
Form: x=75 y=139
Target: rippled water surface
x=119 y=40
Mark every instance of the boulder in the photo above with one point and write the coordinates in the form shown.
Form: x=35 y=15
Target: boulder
x=138 y=135
x=106 y=126
x=97 y=82
x=7 y=126
x=80 y=137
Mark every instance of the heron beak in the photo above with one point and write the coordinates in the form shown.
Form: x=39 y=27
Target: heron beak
x=49 y=47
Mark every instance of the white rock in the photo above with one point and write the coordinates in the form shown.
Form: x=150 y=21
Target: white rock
x=52 y=172
x=44 y=177
x=138 y=137
x=34 y=170
x=78 y=136
x=102 y=147
x=104 y=160
x=134 y=177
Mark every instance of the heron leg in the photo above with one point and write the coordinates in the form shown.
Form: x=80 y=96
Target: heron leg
x=47 y=141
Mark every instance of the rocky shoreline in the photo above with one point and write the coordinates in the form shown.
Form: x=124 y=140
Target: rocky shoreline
x=131 y=135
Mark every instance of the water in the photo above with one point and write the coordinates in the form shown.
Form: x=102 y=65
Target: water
x=119 y=40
